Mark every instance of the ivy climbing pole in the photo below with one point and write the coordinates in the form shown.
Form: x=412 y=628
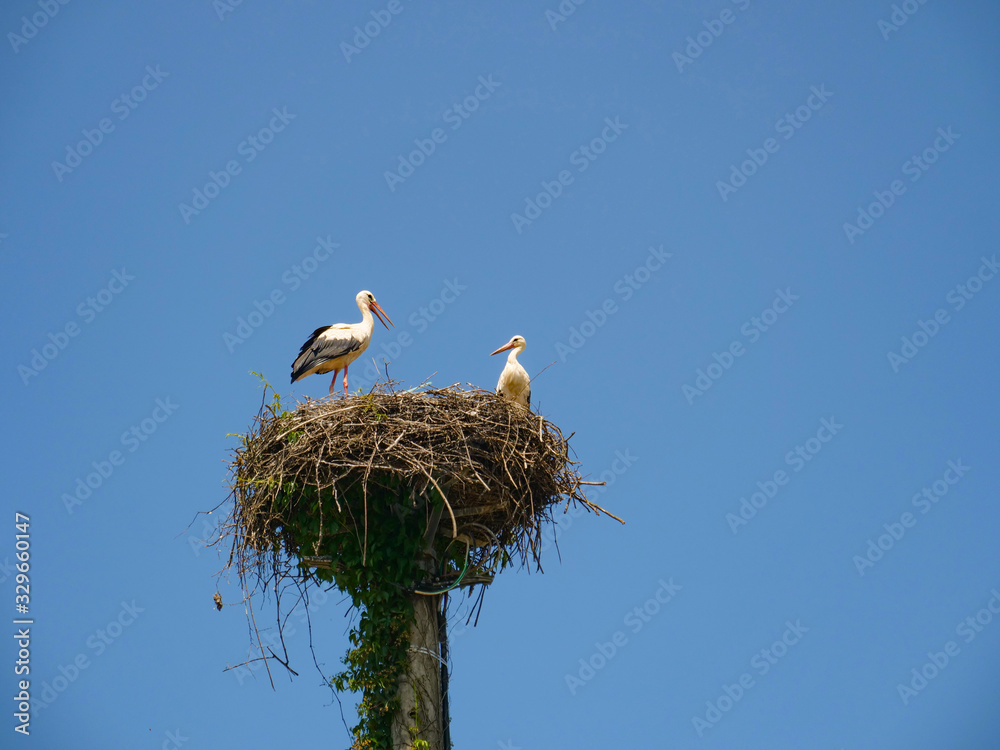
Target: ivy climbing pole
x=399 y=499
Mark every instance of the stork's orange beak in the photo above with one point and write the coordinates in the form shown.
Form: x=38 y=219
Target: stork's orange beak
x=379 y=312
x=504 y=348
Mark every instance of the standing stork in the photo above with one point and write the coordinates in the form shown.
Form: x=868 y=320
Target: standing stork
x=335 y=347
x=514 y=384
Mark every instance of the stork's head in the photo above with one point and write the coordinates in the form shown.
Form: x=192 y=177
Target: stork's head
x=517 y=342
x=366 y=301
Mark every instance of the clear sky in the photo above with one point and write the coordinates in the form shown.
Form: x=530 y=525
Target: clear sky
x=758 y=241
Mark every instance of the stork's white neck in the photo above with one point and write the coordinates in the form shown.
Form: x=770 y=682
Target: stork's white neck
x=367 y=321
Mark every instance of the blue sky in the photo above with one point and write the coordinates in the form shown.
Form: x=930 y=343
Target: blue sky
x=758 y=241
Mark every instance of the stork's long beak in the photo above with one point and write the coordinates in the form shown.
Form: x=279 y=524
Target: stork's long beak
x=504 y=348
x=379 y=312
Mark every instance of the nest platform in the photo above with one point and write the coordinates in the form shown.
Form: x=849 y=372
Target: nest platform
x=473 y=467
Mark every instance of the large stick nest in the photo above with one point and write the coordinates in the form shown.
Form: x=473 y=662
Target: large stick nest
x=493 y=471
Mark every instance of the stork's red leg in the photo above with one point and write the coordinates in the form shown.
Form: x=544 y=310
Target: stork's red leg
x=345 y=379
x=333 y=383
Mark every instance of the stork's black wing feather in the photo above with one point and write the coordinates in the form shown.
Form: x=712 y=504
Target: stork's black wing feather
x=320 y=349
x=312 y=339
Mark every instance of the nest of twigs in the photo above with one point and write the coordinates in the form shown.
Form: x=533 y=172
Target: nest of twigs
x=477 y=469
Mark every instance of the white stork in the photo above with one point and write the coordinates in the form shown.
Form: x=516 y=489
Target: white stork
x=335 y=347
x=514 y=384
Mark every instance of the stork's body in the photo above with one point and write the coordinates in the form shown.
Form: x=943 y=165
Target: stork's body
x=333 y=348
x=514 y=384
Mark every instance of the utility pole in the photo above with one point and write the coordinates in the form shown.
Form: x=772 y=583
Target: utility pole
x=420 y=699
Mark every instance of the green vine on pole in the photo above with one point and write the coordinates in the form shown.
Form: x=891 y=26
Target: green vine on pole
x=380 y=639
x=376 y=564
x=378 y=569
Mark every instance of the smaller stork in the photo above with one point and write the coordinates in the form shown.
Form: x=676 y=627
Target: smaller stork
x=514 y=384
x=335 y=347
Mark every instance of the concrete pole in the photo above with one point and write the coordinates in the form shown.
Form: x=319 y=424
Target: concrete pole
x=420 y=687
